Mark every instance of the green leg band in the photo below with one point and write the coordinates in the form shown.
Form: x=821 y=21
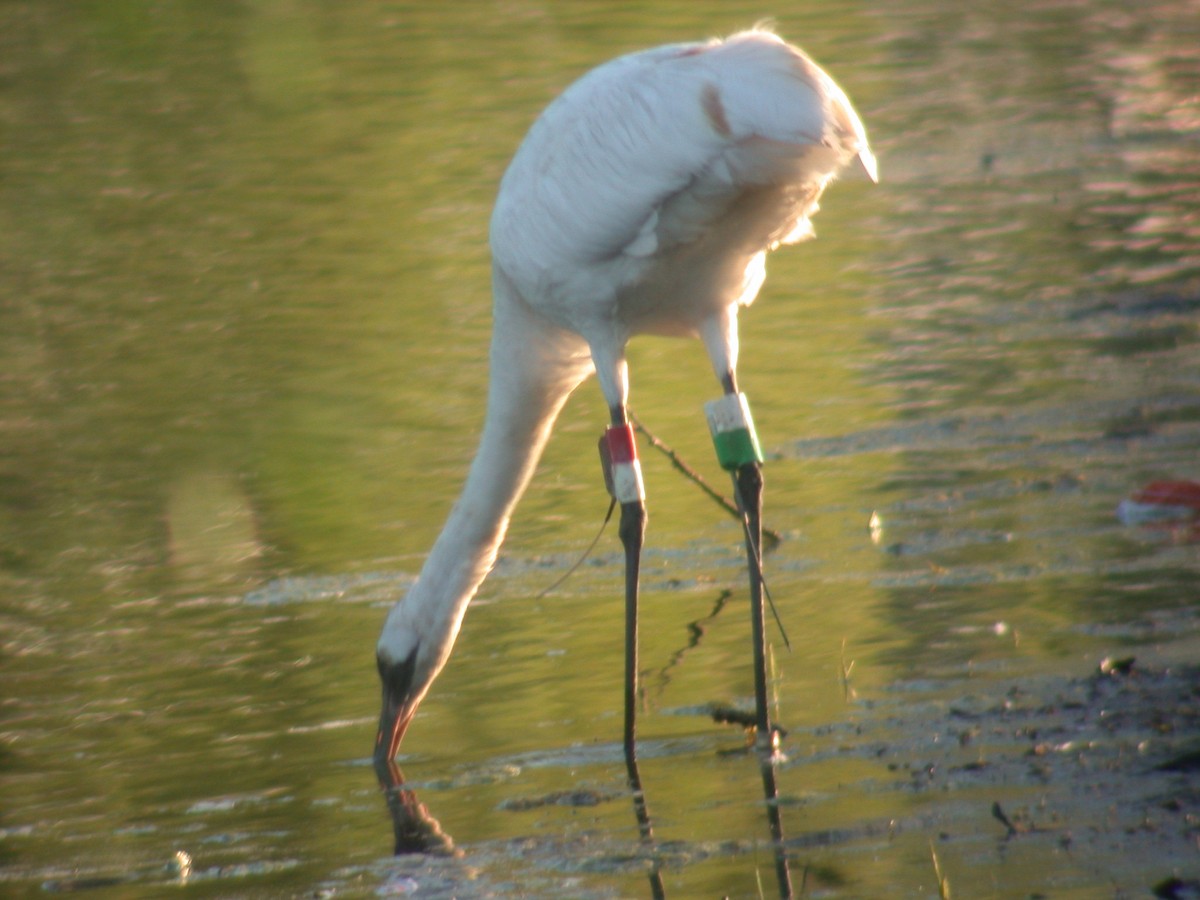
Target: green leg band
x=733 y=431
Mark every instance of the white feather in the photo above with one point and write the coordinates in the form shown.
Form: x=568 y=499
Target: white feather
x=648 y=190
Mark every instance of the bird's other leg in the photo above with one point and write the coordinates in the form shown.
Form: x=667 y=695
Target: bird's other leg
x=739 y=453
x=623 y=478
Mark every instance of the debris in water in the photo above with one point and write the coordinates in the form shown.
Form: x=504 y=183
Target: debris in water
x=1162 y=502
x=1177 y=889
x=577 y=797
x=731 y=715
x=1121 y=666
x=180 y=865
x=999 y=815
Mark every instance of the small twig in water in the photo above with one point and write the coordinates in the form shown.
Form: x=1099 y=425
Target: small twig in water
x=697 y=479
x=586 y=553
x=756 y=560
x=775 y=680
x=848 y=692
x=942 y=880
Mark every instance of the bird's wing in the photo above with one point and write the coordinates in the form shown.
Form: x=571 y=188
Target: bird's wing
x=649 y=151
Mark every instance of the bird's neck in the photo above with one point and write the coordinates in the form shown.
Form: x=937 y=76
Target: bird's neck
x=533 y=371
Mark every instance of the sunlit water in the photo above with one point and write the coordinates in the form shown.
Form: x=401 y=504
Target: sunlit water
x=244 y=310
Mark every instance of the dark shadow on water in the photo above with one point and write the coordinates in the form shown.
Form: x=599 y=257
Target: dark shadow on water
x=696 y=630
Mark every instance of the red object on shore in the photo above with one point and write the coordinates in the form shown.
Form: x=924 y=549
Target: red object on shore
x=1162 y=501
x=1171 y=493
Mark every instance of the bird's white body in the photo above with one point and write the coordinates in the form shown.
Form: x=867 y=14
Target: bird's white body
x=643 y=200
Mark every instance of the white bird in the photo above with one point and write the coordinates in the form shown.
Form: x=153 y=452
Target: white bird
x=643 y=200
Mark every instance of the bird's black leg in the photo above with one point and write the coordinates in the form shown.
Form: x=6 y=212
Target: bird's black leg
x=748 y=482
x=623 y=477
x=739 y=453
x=632 y=531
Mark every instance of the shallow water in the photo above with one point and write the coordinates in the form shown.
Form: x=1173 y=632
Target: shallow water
x=244 y=304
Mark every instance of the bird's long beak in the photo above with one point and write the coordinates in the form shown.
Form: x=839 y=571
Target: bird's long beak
x=393 y=721
x=397 y=709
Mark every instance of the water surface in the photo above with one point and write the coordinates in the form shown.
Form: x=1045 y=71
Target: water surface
x=244 y=300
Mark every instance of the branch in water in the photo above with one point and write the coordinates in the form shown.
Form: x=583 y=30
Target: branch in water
x=770 y=534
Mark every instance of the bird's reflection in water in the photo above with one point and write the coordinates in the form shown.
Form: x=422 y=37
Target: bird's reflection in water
x=775 y=820
x=768 y=761
x=415 y=830
x=645 y=826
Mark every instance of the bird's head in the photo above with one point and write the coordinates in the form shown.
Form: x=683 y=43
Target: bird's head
x=412 y=649
x=400 y=699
